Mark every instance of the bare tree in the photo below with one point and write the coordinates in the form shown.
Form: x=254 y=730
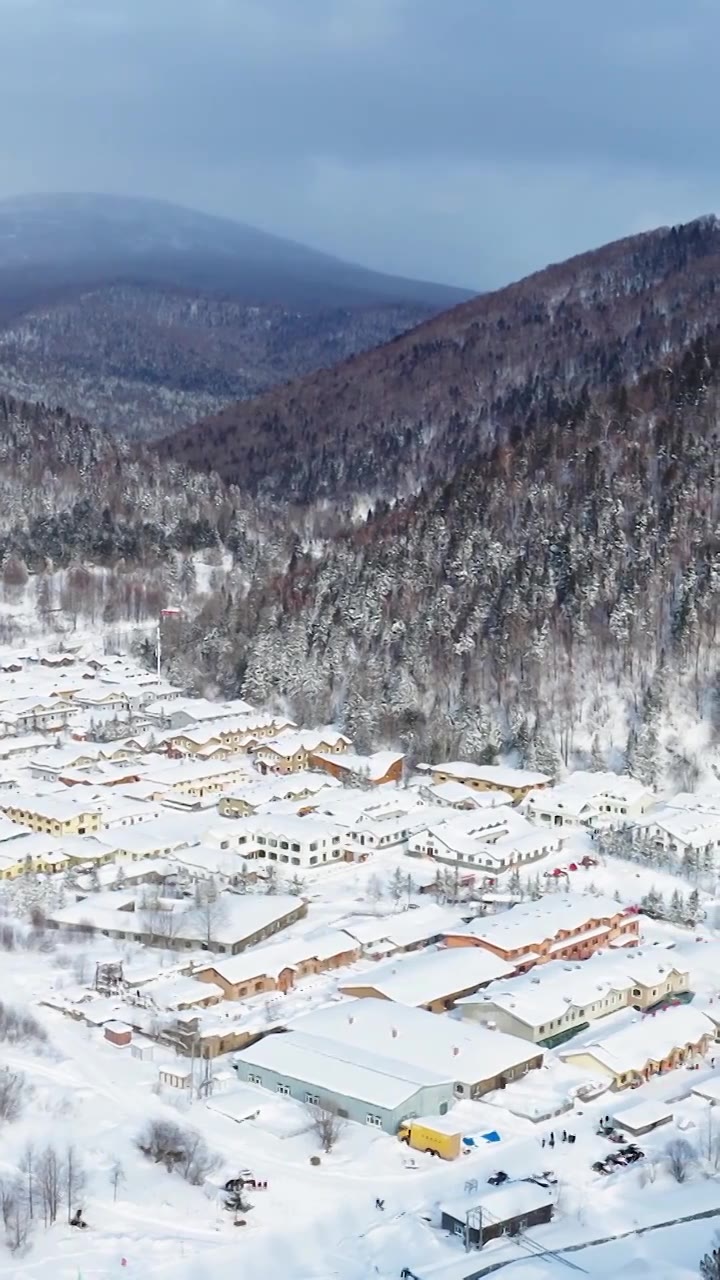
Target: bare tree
x=326 y=1123
x=49 y=1183
x=374 y=888
x=27 y=1167
x=680 y=1156
x=73 y=1177
x=169 y=1144
x=210 y=910
x=117 y=1177
x=198 y=1161
x=160 y=921
x=16 y=1216
x=12 y=1086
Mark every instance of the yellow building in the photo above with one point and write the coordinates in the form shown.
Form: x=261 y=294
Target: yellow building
x=655 y=1044
x=53 y=815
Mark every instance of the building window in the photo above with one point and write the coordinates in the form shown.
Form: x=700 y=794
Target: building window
x=283 y=1089
x=375 y=1121
x=312 y=1099
x=254 y=1079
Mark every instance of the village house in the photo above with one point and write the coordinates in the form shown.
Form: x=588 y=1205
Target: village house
x=489 y=1214
x=433 y=979
x=553 y=1003
x=455 y=795
x=49 y=764
x=687 y=825
x=230 y=734
x=57 y=815
x=598 y=800
x=386 y=935
x=564 y=926
x=179 y=713
x=289 y=840
x=31 y=714
x=515 y=783
x=291 y=752
x=375 y=770
x=490 y=841
x=244 y=920
x=280 y=967
x=243 y=801
x=195 y=778
x=651 y=1046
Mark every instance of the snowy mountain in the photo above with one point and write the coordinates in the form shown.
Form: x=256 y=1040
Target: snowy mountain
x=145 y=316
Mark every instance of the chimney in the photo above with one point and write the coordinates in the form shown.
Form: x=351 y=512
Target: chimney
x=351 y=1019
x=455 y=1051
x=394 y=1033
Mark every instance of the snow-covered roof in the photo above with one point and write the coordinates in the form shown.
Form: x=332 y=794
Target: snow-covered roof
x=372 y=767
x=402 y=928
x=375 y=1078
x=644 y=1113
x=492 y=774
x=455 y=1050
x=533 y=922
x=271 y=960
x=652 y=1038
x=452 y=793
x=513 y=1200
x=423 y=977
x=551 y=989
x=243 y=915
x=288 y=744
x=56 y=808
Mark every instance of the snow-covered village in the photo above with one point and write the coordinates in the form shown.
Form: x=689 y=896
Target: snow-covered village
x=269 y=1002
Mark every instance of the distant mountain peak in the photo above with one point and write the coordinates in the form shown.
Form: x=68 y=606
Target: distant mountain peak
x=85 y=235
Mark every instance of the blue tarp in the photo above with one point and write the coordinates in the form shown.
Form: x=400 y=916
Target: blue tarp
x=492 y=1136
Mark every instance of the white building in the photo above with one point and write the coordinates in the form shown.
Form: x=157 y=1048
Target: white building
x=590 y=799
x=307 y=842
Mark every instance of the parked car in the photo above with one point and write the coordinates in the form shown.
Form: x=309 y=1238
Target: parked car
x=497 y=1179
x=546 y=1179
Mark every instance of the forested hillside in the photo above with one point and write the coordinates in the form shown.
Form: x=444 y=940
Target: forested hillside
x=549 y=584
x=410 y=413
x=576 y=565
x=140 y=361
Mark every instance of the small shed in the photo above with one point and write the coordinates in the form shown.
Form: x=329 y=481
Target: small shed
x=176 y=1079
x=507 y=1211
x=118 y=1033
x=643 y=1118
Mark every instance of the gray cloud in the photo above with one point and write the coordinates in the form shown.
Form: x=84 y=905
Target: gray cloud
x=469 y=140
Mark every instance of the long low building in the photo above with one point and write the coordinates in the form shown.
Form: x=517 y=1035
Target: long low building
x=650 y=1047
x=279 y=967
x=380 y=1063
x=239 y=921
x=567 y=926
x=432 y=980
x=555 y=1002
x=359 y=1084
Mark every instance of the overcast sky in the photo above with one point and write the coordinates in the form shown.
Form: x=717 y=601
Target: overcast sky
x=468 y=141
